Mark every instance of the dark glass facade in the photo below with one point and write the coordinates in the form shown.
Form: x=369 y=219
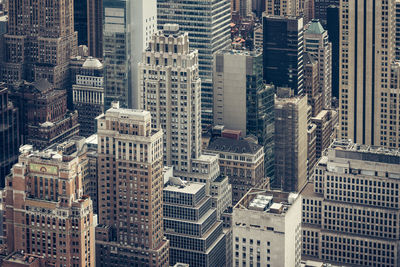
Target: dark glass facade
x=260 y=113
x=80 y=21
x=9 y=134
x=333 y=32
x=321 y=10
x=283 y=52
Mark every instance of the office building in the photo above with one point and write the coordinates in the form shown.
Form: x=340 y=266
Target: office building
x=81 y=20
x=44 y=118
x=242 y=101
x=284 y=7
x=351 y=208
x=290 y=141
x=325 y=133
x=364 y=79
x=267 y=229
x=283 y=51
x=397 y=8
x=47 y=213
x=321 y=7
x=170 y=90
x=209 y=32
x=9 y=134
x=242 y=7
x=311 y=83
x=95 y=28
x=128 y=28
x=334 y=37
x=40 y=42
x=258 y=38
x=88 y=95
x=258 y=7
x=130 y=181
x=191 y=225
x=316 y=43
x=242 y=161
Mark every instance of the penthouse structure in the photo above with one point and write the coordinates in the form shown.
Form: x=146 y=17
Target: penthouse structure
x=351 y=208
x=267 y=229
x=46 y=212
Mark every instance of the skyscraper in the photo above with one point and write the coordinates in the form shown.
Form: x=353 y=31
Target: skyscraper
x=40 y=42
x=334 y=37
x=9 y=134
x=243 y=7
x=95 y=28
x=242 y=101
x=88 y=95
x=81 y=12
x=316 y=43
x=128 y=27
x=367 y=47
x=285 y=7
x=207 y=23
x=130 y=181
x=283 y=51
x=290 y=141
x=47 y=213
x=170 y=90
x=321 y=8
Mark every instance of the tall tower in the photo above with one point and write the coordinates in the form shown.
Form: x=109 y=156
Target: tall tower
x=290 y=141
x=207 y=23
x=170 y=90
x=47 y=213
x=316 y=42
x=128 y=27
x=283 y=51
x=95 y=28
x=130 y=181
x=367 y=50
x=40 y=41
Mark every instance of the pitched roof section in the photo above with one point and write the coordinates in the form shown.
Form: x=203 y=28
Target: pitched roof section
x=42 y=85
x=315 y=27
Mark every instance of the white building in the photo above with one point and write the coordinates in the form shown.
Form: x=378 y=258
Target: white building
x=170 y=89
x=351 y=208
x=267 y=229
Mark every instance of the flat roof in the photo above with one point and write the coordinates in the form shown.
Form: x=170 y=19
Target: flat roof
x=188 y=188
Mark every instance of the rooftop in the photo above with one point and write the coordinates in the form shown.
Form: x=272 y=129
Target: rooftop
x=177 y=185
x=315 y=27
x=348 y=145
x=92 y=63
x=232 y=145
x=22 y=258
x=261 y=200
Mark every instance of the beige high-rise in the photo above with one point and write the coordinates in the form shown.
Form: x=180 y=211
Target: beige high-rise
x=46 y=211
x=291 y=141
x=366 y=53
x=130 y=181
x=169 y=87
